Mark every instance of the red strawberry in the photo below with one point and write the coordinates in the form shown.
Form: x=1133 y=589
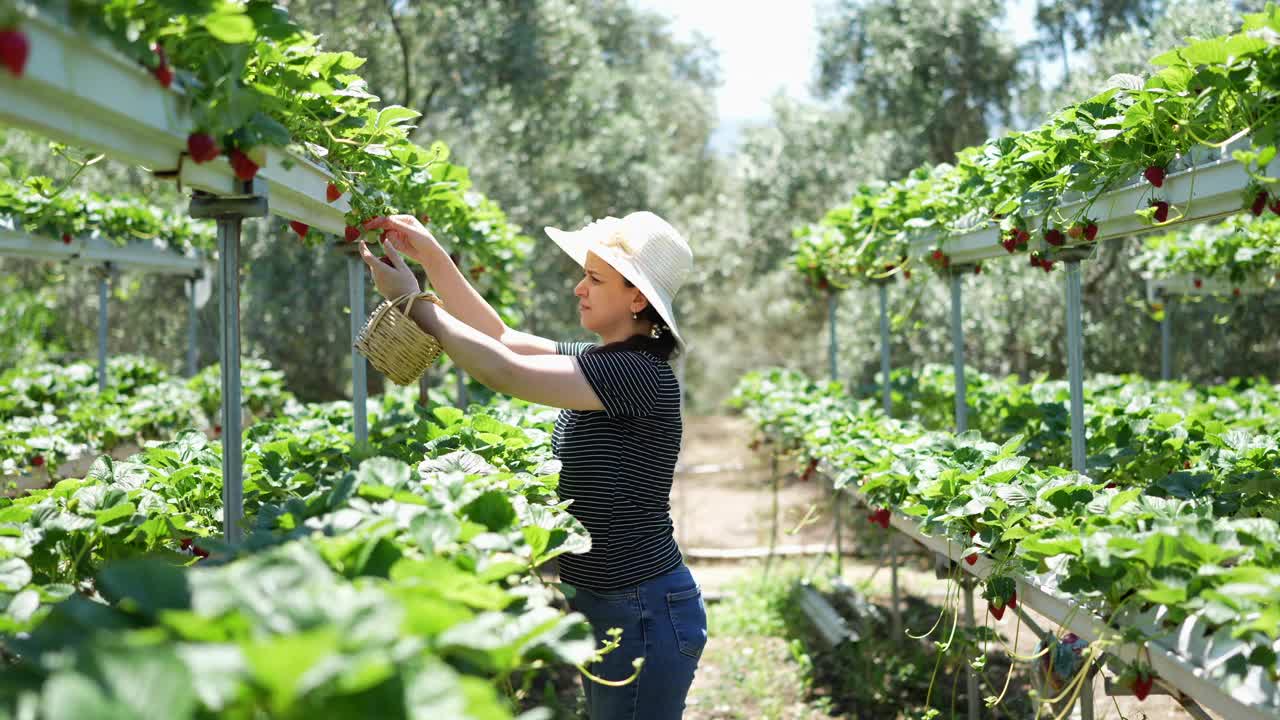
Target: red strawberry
x=1275 y=206
x=185 y=543
x=1090 y=231
x=1034 y=259
x=1012 y=602
x=938 y=255
x=997 y=610
x=1259 y=203
x=1047 y=266
x=1155 y=175
x=1235 y=291
x=201 y=147
x=808 y=471
x=163 y=73
x=14 y=50
x=1198 y=283
x=243 y=165
x=332 y=192
x=1110 y=485
x=1142 y=684
x=881 y=517
x=1054 y=237
x=1009 y=244
x=352 y=233
x=1075 y=231
x=1162 y=210
x=971 y=558
x=977 y=269
x=1024 y=237
x=217 y=429
x=66 y=238
x=37 y=461
x=906 y=274
x=300 y=228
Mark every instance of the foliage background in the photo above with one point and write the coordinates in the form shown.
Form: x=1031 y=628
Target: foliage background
x=567 y=111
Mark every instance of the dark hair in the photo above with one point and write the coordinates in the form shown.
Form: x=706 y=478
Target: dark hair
x=663 y=346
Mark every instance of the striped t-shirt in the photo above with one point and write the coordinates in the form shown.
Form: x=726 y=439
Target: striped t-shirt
x=617 y=464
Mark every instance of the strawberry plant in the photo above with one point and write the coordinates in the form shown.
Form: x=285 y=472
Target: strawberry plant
x=1201 y=96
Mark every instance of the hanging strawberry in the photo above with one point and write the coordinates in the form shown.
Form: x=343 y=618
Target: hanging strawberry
x=332 y=193
x=1259 y=203
x=1154 y=175
x=14 y=50
x=162 y=72
x=1162 y=210
x=300 y=228
x=201 y=147
x=352 y=233
x=243 y=165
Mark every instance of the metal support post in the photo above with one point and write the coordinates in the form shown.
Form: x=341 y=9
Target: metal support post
x=461 y=398
x=104 y=288
x=831 y=334
x=971 y=676
x=192 y=348
x=834 y=369
x=887 y=390
x=1086 y=695
x=1166 y=340
x=359 y=370
x=230 y=214
x=895 y=608
x=957 y=353
x=1075 y=365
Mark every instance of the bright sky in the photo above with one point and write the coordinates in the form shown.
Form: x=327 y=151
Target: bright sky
x=766 y=46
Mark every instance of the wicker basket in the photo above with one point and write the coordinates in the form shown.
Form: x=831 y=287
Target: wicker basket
x=394 y=343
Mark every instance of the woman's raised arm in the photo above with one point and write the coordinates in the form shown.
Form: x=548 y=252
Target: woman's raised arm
x=408 y=236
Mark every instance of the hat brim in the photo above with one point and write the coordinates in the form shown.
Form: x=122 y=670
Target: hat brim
x=578 y=243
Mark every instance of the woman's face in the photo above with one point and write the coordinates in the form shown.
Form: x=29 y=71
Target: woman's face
x=605 y=303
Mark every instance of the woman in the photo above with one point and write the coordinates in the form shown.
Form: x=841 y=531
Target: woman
x=617 y=436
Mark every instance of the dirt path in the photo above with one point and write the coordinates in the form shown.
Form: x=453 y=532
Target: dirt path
x=732 y=508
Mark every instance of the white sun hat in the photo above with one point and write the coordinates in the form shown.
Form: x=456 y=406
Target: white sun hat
x=644 y=249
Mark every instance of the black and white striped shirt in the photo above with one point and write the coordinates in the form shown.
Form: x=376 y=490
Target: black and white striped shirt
x=617 y=465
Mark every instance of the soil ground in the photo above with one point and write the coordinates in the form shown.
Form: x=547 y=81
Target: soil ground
x=732 y=508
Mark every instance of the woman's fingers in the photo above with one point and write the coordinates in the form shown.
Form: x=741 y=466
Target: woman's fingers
x=396 y=261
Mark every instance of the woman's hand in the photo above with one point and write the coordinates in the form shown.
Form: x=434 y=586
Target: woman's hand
x=405 y=234
x=390 y=275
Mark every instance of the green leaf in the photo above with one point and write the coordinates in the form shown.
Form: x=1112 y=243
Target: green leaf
x=232 y=28
x=492 y=509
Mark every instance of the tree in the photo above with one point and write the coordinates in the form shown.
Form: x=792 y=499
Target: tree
x=936 y=74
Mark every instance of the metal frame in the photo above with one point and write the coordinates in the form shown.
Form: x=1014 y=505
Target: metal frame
x=95 y=250
x=1209 y=187
x=1166 y=290
x=79 y=90
x=1171 y=659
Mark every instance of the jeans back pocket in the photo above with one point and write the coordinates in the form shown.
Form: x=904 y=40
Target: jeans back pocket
x=689 y=619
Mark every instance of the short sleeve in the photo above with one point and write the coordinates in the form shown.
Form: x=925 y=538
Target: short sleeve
x=625 y=382
x=573 y=348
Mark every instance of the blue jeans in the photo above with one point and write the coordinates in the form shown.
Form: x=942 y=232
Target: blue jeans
x=664 y=621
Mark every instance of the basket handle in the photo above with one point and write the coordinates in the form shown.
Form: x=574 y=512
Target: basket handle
x=387 y=307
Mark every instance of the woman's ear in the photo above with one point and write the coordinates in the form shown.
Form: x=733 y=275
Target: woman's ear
x=639 y=302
